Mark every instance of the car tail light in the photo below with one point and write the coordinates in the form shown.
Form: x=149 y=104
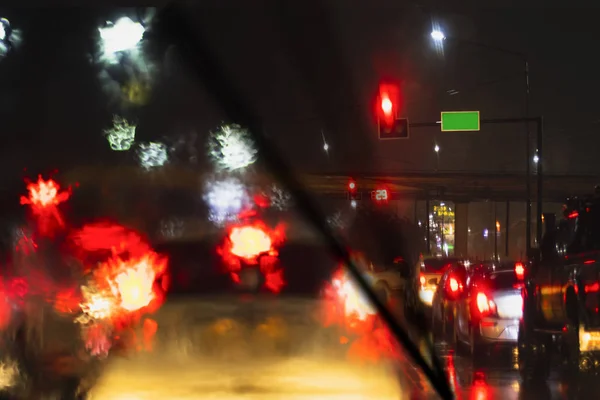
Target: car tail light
x=485 y=306
x=422 y=279
x=453 y=285
x=520 y=270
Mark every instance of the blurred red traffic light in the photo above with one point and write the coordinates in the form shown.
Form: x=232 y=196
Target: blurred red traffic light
x=386 y=105
x=351 y=185
x=389 y=99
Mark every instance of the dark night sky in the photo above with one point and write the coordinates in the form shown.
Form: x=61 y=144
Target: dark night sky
x=305 y=70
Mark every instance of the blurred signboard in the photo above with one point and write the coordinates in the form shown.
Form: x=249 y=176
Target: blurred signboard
x=460 y=121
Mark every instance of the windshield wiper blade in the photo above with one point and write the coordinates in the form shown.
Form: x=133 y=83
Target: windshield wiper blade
x=214 y=80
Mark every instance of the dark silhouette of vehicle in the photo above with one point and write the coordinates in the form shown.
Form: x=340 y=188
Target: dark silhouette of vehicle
x=562 y=294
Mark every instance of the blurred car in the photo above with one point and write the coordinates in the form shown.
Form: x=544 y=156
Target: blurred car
x=389 y=279
x=263 y=340
x=448 y=292
x=430 y=273
x=490 y=307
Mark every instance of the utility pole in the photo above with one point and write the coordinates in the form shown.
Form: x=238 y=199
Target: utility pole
x=528 y=163
x=507 y=229
x=540 y=178
x=496 y=232
x=427 y=226
x=439 y=36
x=540 y=200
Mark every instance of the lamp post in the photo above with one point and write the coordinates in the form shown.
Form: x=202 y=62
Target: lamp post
x=439 y=37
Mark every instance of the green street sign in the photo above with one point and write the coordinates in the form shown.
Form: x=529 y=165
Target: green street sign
x=460 y=121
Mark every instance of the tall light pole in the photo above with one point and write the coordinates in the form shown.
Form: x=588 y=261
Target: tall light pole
x=439 y=37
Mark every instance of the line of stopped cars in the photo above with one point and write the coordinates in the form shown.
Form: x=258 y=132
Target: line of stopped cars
x=549 y=306
x=473 y=305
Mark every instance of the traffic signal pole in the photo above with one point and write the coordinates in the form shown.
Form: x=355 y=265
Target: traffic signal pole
x=539 y=121
x=539 y=164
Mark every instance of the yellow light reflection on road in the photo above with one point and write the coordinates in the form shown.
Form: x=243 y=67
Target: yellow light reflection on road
x=297 y=379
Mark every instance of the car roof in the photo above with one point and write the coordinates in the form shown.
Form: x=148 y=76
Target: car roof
x=494 y=266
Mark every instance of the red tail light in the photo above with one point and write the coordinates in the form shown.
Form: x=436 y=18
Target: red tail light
x=453 y=285
x=520 y=270
x=422 y=280
x=485 y=305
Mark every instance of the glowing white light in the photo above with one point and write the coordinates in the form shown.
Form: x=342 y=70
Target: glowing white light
x=437 y=35
x=353 y=204
x=152 y=155
x=121 y=36
x=9 y=37
x=121 y=136
x=279 y=198
x=126 y=73
x=225 y=200
x=436 y=148
x=232 y=148
x=536 y=159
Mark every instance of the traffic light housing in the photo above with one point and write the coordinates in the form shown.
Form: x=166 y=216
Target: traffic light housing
x=389 y=126
x=354 y=196
x=399 y=129
x=353 y=192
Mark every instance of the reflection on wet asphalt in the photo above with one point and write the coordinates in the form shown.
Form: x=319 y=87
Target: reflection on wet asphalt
x=495 y=376
x=236 y=372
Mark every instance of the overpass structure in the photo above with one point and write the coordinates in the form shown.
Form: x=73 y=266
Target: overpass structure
x=457 y=186
x=461 y=188
x=454 y=186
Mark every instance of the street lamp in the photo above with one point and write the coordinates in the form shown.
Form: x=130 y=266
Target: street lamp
x=438 y=36
x=436 y=149
x=325 y=144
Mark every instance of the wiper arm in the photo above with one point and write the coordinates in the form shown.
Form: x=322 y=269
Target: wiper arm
x=214 y=80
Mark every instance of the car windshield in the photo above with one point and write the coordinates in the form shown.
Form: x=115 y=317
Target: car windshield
x=255 y=200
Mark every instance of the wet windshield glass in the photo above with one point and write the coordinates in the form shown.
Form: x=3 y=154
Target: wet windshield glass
x=259 y=200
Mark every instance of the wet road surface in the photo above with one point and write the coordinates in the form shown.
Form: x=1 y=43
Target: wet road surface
x=243 y=366
x=494 y=375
